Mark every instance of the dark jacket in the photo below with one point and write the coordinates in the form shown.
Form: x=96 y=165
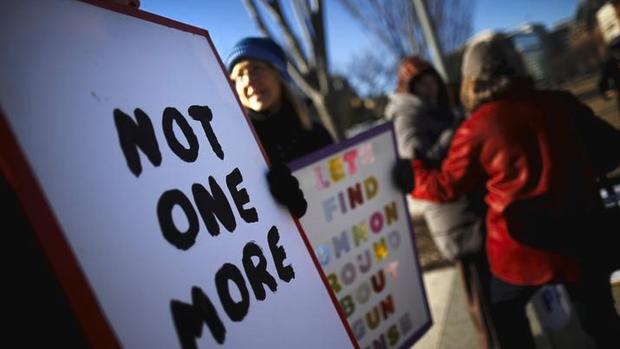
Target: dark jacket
x=284 y=138
x=610 y=75
x=424 y=132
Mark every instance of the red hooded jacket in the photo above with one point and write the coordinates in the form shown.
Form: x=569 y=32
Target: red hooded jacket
x=525 y=150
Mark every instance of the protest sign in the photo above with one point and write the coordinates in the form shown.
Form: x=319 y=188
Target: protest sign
x=359 y=227
x=145 y=185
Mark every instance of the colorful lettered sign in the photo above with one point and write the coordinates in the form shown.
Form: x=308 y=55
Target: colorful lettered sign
x=359 y=227
x=145 y=184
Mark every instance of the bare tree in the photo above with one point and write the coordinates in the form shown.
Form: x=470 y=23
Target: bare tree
x=392 y=21
x=395 y=24
x=370 y=74
x=306 y=48
x=452 y=21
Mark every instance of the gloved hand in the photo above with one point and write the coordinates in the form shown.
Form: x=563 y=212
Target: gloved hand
x=426 y=160
x=285 y=189
x=402 y=175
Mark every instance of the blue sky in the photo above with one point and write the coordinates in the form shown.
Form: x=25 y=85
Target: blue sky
x=227 y=21
x=507 y=14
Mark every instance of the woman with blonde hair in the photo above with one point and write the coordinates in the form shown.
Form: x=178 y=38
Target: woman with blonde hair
x=424 y=122
x=258 y=70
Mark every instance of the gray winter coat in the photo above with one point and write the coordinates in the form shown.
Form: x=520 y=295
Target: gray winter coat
x=420 y=128
x=455 y=228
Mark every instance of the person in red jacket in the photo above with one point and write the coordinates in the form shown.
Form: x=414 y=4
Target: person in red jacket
x=524 y=147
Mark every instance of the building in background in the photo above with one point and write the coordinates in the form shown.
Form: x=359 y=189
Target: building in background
x=532 y=41
x=571 y=49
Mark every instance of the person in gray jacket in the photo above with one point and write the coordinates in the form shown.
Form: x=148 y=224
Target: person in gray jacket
x=424 y=123
x=421 y=112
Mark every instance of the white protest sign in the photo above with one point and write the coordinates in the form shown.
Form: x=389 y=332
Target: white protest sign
x=359 y=227
x=155 y=181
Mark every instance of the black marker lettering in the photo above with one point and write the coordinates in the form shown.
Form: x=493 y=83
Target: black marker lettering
x=167 y=201
x=236 y=310
x=189 y=319
x=137 y=134
x=214 y=204
x=170 y=117
x=203 y=114
x=257 y=273
x=286 y=273
x=240 y=197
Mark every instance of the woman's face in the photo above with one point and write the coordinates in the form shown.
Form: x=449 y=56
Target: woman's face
x=258 y=85
x=426 y=87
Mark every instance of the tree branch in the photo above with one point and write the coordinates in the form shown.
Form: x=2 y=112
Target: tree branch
x=303 y=85
x=295 y=51
x=394 y=23
x=371 y=20
x=319 y=44
x=302 y=14
x=250 y=6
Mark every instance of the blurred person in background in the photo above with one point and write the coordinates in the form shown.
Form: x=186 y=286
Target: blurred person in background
x=609 y=83
x=424 y=123
x=536 y=154
x=258 y=70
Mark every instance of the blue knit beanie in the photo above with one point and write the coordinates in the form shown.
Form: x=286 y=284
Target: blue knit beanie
x=263 y=49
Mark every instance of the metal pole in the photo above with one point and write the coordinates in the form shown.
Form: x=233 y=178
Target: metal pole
x=431 y=39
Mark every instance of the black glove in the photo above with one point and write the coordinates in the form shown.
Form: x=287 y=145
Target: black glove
x=432 y=163
x=402 y=175
x=285 y=189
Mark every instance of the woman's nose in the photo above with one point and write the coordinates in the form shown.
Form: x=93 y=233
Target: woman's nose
x=252 y=80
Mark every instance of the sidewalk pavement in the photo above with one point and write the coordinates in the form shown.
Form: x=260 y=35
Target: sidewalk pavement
x=452 y=326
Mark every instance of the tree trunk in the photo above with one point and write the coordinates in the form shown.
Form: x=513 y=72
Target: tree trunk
x=324 y=106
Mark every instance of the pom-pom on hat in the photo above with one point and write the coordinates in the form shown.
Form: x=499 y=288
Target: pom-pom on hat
x=262 y=49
